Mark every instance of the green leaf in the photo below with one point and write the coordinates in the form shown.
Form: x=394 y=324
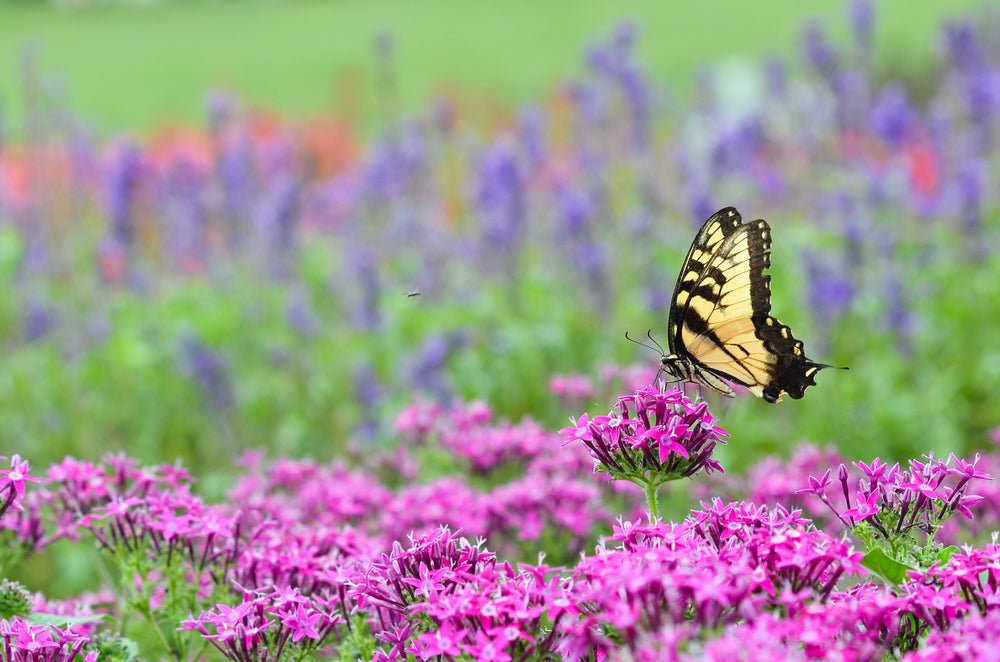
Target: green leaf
x=131 y=647
x=944 y=556
x=62 y=621
x=885 y=566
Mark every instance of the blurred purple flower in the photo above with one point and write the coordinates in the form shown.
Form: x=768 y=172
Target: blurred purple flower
x=899 y=317
x=776 y=77
x=427 y=371
x=218 y=105
x=123 y=176
x=982 y=92
x=208 y=370
x=892 y=118
x=576 y=210
x=970 y=200
x=368 y=393
x=500 y=199
x=38 y=321
x=635 y=88
x=532 y=125
x=862 y=19
x=300 y=313
x=830 y=290
x=819 y=50
x=961 y=45
x=275 y=216
x=368 y=312
x=185 y=185
x=234 y=170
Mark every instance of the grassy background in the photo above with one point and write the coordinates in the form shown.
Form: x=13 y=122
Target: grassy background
x=134 y=67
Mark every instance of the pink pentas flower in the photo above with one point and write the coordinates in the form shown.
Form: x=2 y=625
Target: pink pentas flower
x=487 y=648
x=895 y=501
x=651 y=433
x=17 y=475
x=418 y=420
x=571 y=389
x=303 y=622
x=442 y=641
x=971 y=638
x=579 y=431
x=865 y=507
x=24 y=641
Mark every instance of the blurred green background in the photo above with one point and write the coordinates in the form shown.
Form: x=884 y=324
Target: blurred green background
x=139 y=65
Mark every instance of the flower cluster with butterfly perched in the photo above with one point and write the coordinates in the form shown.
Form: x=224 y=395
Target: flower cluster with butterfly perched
x=651 y=437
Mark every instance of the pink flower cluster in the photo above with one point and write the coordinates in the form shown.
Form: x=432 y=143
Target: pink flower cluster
x=12 y=484
x=24 y=641
x=894 y=501
x=476 y=605
x=305 y=559
x=651 y=436
x=259 y=628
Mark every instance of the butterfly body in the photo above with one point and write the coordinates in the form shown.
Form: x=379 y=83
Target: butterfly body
x=720 y=328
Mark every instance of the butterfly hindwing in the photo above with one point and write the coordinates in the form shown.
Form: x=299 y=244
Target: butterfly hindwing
x=720 y=320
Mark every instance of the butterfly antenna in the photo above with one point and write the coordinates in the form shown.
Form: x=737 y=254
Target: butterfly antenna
x=649 y=334
x=642 y=344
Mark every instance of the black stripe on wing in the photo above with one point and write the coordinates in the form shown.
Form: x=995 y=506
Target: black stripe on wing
x=792 y=372
x=710 y=237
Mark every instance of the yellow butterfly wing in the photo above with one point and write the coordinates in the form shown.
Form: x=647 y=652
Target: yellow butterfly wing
x=720 y=321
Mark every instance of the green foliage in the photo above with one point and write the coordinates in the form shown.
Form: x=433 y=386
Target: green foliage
x=15 y=599
x=294 y=394
x=111 y=646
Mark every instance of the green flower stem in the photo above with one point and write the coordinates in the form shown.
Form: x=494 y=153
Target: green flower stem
x=652 y=498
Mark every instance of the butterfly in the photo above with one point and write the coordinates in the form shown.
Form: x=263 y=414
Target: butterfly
x=720 y=329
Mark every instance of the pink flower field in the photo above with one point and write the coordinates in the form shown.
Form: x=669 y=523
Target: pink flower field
x=858 y=561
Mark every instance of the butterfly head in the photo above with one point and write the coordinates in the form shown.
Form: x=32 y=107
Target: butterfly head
x=674 y=366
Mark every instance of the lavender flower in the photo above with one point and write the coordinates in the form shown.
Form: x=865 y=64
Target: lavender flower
x=892 y=118
x=209 y=372
x=961 y=45
x=39 y=320
x=500 y=199
x=369 y=392
x=427 y=371
x=299 y=312
x=123 y=179
x=830 y=290
x=819 y=51
x=862 y=14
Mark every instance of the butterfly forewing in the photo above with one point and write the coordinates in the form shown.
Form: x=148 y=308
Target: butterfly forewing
x=720 y=321
x=713 y=232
